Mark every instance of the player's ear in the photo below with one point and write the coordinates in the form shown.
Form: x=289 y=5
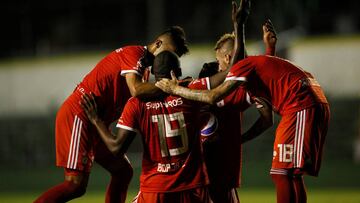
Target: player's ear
x=227 y=58
x=158 y=43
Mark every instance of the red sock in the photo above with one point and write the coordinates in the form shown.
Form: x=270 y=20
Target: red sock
x=284 y=188
x=117 y=189
x=62 y=193
x=299 y=189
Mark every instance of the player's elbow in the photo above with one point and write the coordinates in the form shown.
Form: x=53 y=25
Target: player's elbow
x=114 y=147
x=134 y=92
x=211 y=99
x=115 y=150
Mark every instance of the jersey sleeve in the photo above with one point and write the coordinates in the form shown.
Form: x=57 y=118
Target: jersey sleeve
x=131 y=59
x=240 y=97
x=200 y=84
x=128 y=119
x=240 y=71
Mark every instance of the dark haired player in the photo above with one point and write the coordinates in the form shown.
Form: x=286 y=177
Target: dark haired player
x=113 y=80
x=172 y=166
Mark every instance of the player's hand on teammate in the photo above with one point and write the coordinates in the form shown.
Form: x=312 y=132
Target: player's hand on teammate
x=264 y=107
x=88 y=104
x=240 y=14
x=261 y=103
x=269 y=34
x=168 y=85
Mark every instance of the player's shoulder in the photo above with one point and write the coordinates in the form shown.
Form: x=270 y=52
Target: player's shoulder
x=134 y=101
x=259 y=58
x=131 y=49
x=199 y=83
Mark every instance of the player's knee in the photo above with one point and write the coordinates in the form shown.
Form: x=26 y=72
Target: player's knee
x=76 y=189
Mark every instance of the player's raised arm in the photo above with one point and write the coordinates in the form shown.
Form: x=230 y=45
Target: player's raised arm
x=239 y=18
x=239 y=15
x=117 y=144
x=269 y=37
x=265 y=121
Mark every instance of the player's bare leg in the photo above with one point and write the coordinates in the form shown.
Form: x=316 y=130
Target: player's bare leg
x=299 y=189
x=121 y=173
x=284 y=188
x=74 y=186
x=290 y=186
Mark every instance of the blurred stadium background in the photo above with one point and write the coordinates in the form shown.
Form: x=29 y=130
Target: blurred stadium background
x=47 y=47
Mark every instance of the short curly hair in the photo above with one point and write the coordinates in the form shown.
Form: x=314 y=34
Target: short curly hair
x=177 y=35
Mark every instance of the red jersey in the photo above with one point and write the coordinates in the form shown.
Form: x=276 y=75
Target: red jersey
x=226 y=150
x=170 y=129
x=107 y=83
x=286 y=86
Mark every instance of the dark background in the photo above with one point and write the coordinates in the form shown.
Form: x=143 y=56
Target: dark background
x=32 y=28
x=40 y=28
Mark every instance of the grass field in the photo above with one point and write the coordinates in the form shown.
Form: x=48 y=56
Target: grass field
x=338 y=183
x=246 y=196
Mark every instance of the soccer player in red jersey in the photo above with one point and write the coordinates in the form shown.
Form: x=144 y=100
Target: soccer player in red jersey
x=172 y=167
x=113 y=80
x=224 y=149
x=296 y=96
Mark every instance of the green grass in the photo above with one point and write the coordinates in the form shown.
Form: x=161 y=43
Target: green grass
x=338 y=183
x=246 y=195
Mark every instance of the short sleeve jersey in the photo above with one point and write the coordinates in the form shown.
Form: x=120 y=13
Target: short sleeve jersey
x=283 y=84
x=170 y=129
x=107 y=83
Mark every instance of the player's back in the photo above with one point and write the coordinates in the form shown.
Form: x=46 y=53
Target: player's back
x=281 y=82
x=172 y=159
x=106 y=80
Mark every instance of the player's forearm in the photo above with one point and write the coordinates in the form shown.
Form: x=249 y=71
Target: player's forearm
x=218 y=78
x=141 y=89
x=146 y=91
x=270 y=50
x=257 y=129
x=111 y=141
x=195 y=95
x=239 y=43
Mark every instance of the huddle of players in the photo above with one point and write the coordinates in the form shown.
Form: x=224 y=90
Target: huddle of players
x=173 y=167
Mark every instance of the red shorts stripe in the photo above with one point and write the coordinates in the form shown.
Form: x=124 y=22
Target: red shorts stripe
x=300 y=138
x=74 y=137
x=74 y=143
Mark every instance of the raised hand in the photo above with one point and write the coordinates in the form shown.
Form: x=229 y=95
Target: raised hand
x=269 y=34
x=240 y=14
x=88 y=104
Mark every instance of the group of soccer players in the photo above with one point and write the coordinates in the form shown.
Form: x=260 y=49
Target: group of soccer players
x=192 y=150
